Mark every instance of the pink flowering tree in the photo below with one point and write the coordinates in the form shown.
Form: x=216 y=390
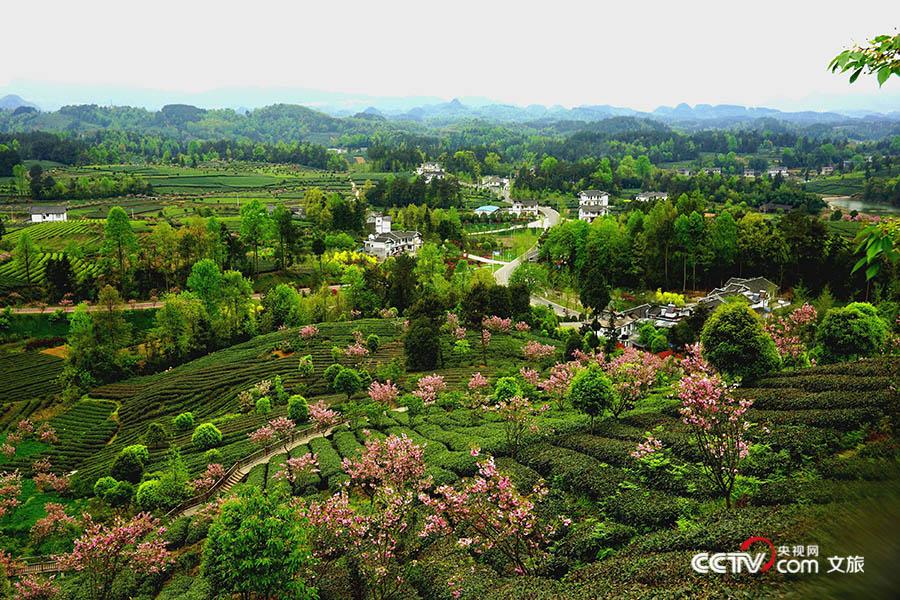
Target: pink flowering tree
x=485 y=339
x=530 y=376
x=205 y=482
x=297 y=468
x=718 y=425
x=278 y=431
x=384 y=393
x=323 y=417
x=429 y=387
x=376 y=538
x=56 y=523
x=496 y=324
x=535 y=351
x=26 y=429
x=10 y=489
x=395 y=462
x=34 y=587
x=793 y=333
x=519 y=417
x=557 y=383
x=633 y=374
x=104 y=552
x=523 y=327
x=44 y=479
x=308 y=332
x=489 y=513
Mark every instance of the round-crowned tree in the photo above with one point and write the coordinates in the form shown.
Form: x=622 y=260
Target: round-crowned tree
x=855 y=330
x=129 y=465
x=735 y=342
x=422 y=345
x=505 y=389
x=206 y=436
x=184 y=421
x=298 y=409
x=591 y=392
x=348 y=381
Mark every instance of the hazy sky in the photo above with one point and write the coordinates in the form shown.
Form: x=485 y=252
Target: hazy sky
x=637 y=54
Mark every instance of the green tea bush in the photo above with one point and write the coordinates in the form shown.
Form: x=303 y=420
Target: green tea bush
x=184 y=421
x=206 y=436
x=298 y=410
x=643 y=509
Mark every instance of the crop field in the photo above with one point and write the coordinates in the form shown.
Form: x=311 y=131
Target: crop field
x=636 y=533
x=81 y=230
x=838 y=185
x=13 y=272
x=28 y=375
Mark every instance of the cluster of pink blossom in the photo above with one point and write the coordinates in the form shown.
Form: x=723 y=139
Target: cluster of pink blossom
x=530 y=376
x=322 y=416
x=33 y=587
x=788 y=333
x=24 y=430
x=297 y=466
x=585 y=359
x=519 y=417
x=429 y=387
x=10 y=488
x=522 y=326
x=384 y=393
x=477 y=382
x=535 y=351
x=488 y=513
x=388 y=313
x=558 y=380
x=647 y=447
x=51 y=481
x=278 y=430
x=719 y=424
x=693 y=361
x=496 y=324
x=356 y=351
x=633 y=373
x=452 y=321
x=308 y=332
x=205 y=482
x=105 y=551
x=485 y=337
x=56 y=522
x=459 y=333
x=395 y=462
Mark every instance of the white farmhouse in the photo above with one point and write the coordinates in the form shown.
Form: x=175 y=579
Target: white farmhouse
x=430 y=170
x=592 y=204
x=524 y=207
x=377 y=223
x=648 y=196
x=383 y=245
x=774 y=171
x=42 y=214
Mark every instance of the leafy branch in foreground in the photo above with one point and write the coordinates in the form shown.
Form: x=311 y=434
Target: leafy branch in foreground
x=880 y=58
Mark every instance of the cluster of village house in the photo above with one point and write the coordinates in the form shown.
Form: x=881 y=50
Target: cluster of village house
x=624 y=326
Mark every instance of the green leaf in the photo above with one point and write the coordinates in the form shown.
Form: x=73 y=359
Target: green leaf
x=855 y=74
x=883 y=74
x=859 y=265
x=873 y=251
x=872 y=271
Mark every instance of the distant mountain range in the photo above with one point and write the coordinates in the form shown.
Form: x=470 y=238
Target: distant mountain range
x=428 y=110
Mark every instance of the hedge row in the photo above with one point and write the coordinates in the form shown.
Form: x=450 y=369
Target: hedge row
x=572 y=470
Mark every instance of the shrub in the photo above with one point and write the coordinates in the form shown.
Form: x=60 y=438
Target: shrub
x=263 y=406
x=298 y=410
x=184 y=421
x=305 y=366
x=212 y=456
x=643 y=509
x=373 y=342
x=505 y=389
x=422 y=345
x=156 y=436
x=850 y=332
x=103 y=485
x=120 y=494
x=280 y=393
x=347 y=381
x=591 y=392
x=331 y=373
x=129 y=465
x=735 y=342
x=149 y=495
x=206 y=436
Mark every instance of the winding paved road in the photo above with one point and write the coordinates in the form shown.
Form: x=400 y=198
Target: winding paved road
x=501 y=275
